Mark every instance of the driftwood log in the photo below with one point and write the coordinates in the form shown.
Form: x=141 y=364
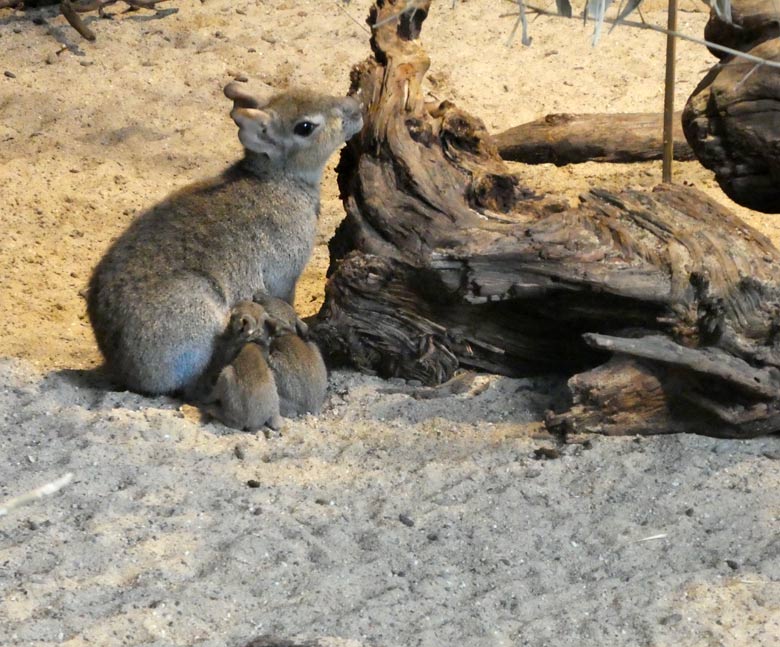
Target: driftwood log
x=664 y=302
x=732 y=119
x=570 y=139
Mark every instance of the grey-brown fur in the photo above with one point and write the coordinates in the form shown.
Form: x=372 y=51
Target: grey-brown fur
x=245 y=394
x=282 y=317
x=299 y=370
x=161 y=296
x=300 y=373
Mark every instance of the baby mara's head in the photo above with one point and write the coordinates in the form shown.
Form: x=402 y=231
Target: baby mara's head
x=294 y=132
x=250 y=322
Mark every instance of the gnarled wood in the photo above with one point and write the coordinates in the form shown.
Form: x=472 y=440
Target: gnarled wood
x=732 y=122
x=752 y=22
x=444 y=260
x=732 y=119
x=570 y=139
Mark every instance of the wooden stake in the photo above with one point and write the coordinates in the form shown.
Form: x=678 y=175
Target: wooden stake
x=671 y=47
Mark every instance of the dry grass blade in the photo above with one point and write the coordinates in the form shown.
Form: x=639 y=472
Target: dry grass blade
x=37 y=493
x=662 y=30
x=521 y=20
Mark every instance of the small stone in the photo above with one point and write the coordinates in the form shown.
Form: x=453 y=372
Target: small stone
x=86 y=63
x=548 y=453
x=672 y=619
x=252 y=50
x=239 y=452
x=689 y=512
x=241 y=11
x=732 y=564
x=432 y=536
x=268 y=39
x=320 y=501
x=406 y=520
x=253 y=483
x=10 y=74
x=772 y=455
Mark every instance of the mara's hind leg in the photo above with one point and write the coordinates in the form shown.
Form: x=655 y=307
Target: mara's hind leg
x=169 y=345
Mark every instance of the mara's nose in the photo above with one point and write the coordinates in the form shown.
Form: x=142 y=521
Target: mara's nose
x=351 y=109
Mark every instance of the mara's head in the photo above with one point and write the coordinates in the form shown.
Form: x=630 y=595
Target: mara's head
x=297 y=130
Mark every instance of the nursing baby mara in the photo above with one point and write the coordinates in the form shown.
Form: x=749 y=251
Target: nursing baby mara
x=269 y=369
x=171 y=290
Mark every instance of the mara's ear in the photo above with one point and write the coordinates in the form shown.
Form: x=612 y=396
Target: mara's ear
x=254 y=131
x=242 y=96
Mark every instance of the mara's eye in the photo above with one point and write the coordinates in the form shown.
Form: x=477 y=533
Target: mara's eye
x=304 y=128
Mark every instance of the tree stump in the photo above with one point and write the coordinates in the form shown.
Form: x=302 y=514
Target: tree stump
x=444 y=260
x=732 y=119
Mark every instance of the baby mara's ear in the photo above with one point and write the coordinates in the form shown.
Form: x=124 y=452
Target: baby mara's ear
x=255 y=132
x=276 y=327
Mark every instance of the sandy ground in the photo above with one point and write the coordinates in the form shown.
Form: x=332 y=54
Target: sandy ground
x=386 y=520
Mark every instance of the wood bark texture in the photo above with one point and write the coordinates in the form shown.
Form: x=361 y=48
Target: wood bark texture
x=752 y=22
x=570 y=139
x=664 y=303
x=732 y=119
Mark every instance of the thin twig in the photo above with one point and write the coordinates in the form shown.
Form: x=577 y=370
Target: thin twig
x=75 y=21
x=351 y=17
x=747 y=76
x=37 y=493
x=652 y=537
x=409 y=5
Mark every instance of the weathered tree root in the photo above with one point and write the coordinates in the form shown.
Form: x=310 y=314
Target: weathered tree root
x=444 y=261
x=732 y=119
